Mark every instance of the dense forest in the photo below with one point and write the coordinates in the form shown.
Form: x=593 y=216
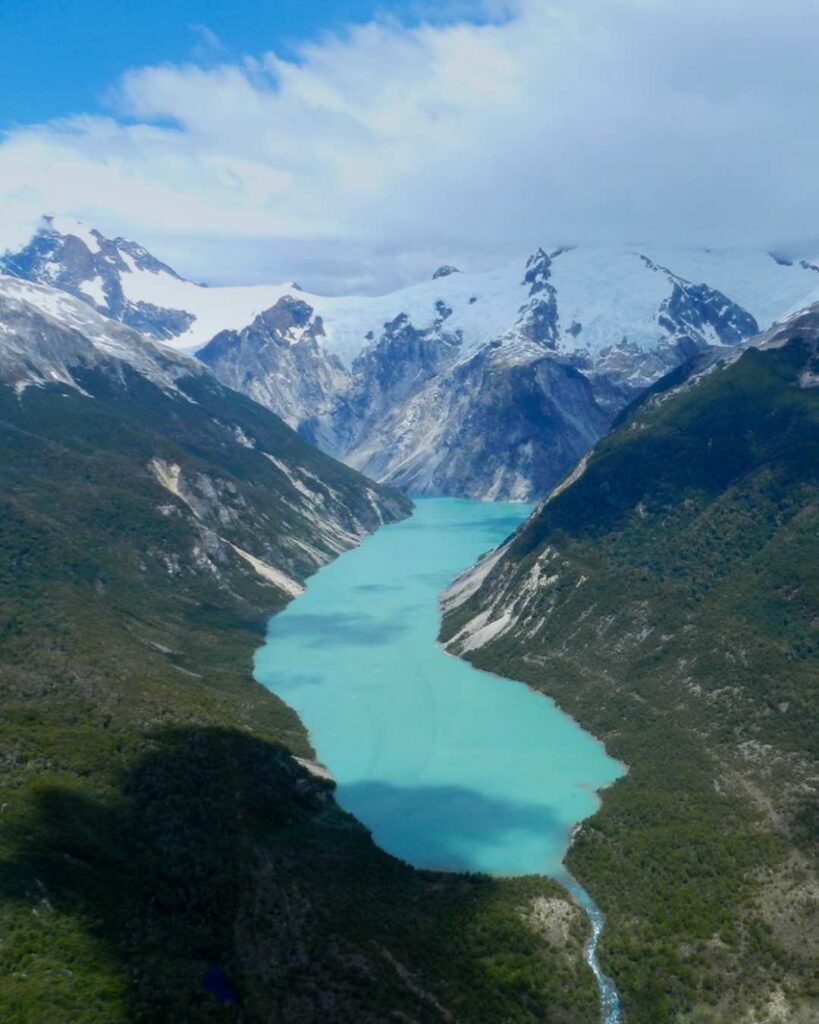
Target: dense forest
x=668 y=600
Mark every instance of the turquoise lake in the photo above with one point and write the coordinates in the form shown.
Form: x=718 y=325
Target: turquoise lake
x=449 y=767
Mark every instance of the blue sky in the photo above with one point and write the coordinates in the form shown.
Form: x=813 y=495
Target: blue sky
x=353 y=145
x=61 y=57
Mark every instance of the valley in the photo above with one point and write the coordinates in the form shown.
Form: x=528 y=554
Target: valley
x=157 y=509
x=450 y=769
x=409 y=512
x=164 y=855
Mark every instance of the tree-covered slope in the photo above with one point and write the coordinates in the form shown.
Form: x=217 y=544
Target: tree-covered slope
x=668 y=598
x=163 y=857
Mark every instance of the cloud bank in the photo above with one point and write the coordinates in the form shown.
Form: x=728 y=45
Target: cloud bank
x=371 y=156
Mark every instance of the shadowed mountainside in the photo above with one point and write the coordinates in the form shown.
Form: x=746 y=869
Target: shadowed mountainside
x=667 y=598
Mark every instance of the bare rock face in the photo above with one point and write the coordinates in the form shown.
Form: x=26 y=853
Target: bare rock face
x=278 y=361
x=90 y=267
x=425 y=409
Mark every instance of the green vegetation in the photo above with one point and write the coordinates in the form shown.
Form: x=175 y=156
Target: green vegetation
x=677 y=617
x=162 y=857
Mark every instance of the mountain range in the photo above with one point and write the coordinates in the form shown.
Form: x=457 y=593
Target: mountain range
x=171 y=850
x=487 y=385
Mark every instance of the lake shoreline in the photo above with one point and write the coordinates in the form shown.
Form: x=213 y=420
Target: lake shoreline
x=449 y=770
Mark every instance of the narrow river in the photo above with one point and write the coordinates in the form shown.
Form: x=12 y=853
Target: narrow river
x=449 y=767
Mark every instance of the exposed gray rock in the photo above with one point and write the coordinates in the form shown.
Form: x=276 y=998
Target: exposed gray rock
x=423 y=411
x=279 y=362
x=90 y=268
x=485 y=385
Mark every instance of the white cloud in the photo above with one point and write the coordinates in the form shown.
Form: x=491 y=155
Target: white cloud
x=375 y=154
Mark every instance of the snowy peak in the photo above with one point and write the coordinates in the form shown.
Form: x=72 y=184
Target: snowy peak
x=538 y=272
x=291 y=321
x=123 y=280
x=445 y=271
x=81 y=261
x=278 y=361
x=47 y=336
x=538 y=320
x=120 y=253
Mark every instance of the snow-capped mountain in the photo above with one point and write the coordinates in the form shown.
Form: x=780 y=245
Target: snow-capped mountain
x=487 y=384
x=49 y=337
x=493 y=385
x=124 y=281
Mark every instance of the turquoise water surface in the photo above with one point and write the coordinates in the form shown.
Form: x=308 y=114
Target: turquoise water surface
x=449 y=767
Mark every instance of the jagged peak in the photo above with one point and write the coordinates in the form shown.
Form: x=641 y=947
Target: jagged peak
x=285 y=313
x=69 y=227
x=538 y=255
x=444 y=271
x=538 y=270
x=120 y=253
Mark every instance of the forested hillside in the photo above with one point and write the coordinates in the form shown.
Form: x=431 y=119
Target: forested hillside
x=667 y=598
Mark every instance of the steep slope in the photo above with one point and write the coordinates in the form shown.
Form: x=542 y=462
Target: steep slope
x=666 y=595
x=487 y=386
x=163 y=856
x=480 y=395
x=483 y=384
x=248 y=482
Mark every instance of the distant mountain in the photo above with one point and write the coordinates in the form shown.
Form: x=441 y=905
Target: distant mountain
x=666 y=594
x=493 y=385
x=487 y=385
x=124 y=281
x=79 y=260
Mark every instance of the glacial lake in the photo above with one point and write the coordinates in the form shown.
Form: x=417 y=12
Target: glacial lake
x=449 y=767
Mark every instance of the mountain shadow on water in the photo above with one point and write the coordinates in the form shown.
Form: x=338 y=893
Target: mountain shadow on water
x=444 y=827
x=217 y=881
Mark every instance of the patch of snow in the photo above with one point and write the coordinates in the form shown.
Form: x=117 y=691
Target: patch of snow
x=93 y=289
x=69 y=226
x=214 y=309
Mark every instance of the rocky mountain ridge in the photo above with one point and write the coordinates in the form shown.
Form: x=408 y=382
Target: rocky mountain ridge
x=487 y=385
